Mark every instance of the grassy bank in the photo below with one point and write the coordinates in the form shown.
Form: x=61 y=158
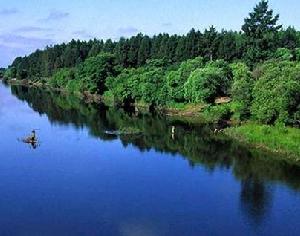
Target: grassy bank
x=276 y=139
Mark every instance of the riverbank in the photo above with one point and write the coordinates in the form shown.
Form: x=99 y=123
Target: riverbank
x=86 y=96
x=275 y=139
x=178 y=110
x=278 y=140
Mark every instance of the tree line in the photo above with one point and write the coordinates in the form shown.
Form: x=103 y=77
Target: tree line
x=255 y=43
x=257 y=67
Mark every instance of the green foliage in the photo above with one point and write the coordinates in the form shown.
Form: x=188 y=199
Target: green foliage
x=277 y=93
x=261 y=30
x=289 y=38
x=125 y=85
x=62 y=77
x=10 y=73
x=2 y=72
x=259 y=41
x=274 y=138
x=283 y=54
x=206 y=84
x=141 y=84
x=75 y=85
x=94 y=72
x=297 y=54
x=241 y=90
x=175 y=80
x=151 y=86
x=217 y=113
x=171 y=69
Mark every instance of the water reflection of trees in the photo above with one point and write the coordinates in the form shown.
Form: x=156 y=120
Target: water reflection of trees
x=195 y=143
x=255 y=199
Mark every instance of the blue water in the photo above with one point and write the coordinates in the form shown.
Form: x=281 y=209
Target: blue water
x=79 y=181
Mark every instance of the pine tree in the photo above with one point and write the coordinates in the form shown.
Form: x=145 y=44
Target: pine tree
x=260 y=30
x=144 y=50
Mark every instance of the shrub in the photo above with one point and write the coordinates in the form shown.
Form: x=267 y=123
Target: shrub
x=241 y=90
x=175 y=80
x=207 y=83
x=61 y=78
x=217 y=113
x=284 y=54
x=277 y=93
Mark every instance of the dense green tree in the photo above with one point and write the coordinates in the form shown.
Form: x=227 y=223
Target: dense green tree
x=175 y=80
x=96 y=48
x=241 y=91
x=144 y=84
x=94 y=72
x=121 y=52
x=134 y=46
x=10 y=72
x=210 y=43
x=297 y=54
x=277 y=93
x=62 y=77
x=230 y=45
x=206 y=84
x=123 y=86
x=289 y=38
x=144 y=51
x=261 y=32
x=284 y=54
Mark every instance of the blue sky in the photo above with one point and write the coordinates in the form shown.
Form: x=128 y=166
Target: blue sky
x=31 y=24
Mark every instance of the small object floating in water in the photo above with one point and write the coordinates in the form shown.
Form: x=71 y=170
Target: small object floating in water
x=31 y=139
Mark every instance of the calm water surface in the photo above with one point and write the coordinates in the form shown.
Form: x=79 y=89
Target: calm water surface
x=83 y=181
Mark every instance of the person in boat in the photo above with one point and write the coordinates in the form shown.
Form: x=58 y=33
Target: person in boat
x=31 y=138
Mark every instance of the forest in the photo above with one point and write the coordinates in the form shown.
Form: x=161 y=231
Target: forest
x=258 y=68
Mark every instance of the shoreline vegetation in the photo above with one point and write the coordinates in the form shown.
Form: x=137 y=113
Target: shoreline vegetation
x=276 y=139
x=251 y=77
x=273 y=139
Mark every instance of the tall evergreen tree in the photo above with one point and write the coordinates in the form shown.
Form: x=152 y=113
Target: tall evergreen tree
x=144 y=50
x=261 y=30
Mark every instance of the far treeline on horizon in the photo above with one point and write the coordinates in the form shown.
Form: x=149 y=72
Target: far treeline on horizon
x=258 y=68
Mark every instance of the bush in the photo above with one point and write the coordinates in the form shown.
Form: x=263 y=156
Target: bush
x=94 y=72
x=144 y=84
x=297 y=53
x=175 y=80
x=283 y=54
x=207 y=83
x=241 y=90
x=61 y=78
x=277 y=93
x=217 y=113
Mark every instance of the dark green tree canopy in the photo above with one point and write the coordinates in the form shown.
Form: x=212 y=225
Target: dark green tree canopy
x=260 y=30
x=261 y=21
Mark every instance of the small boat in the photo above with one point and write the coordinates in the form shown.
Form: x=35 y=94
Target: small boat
x=31 y=139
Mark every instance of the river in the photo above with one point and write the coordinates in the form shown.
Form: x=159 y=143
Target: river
x=82 y=180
